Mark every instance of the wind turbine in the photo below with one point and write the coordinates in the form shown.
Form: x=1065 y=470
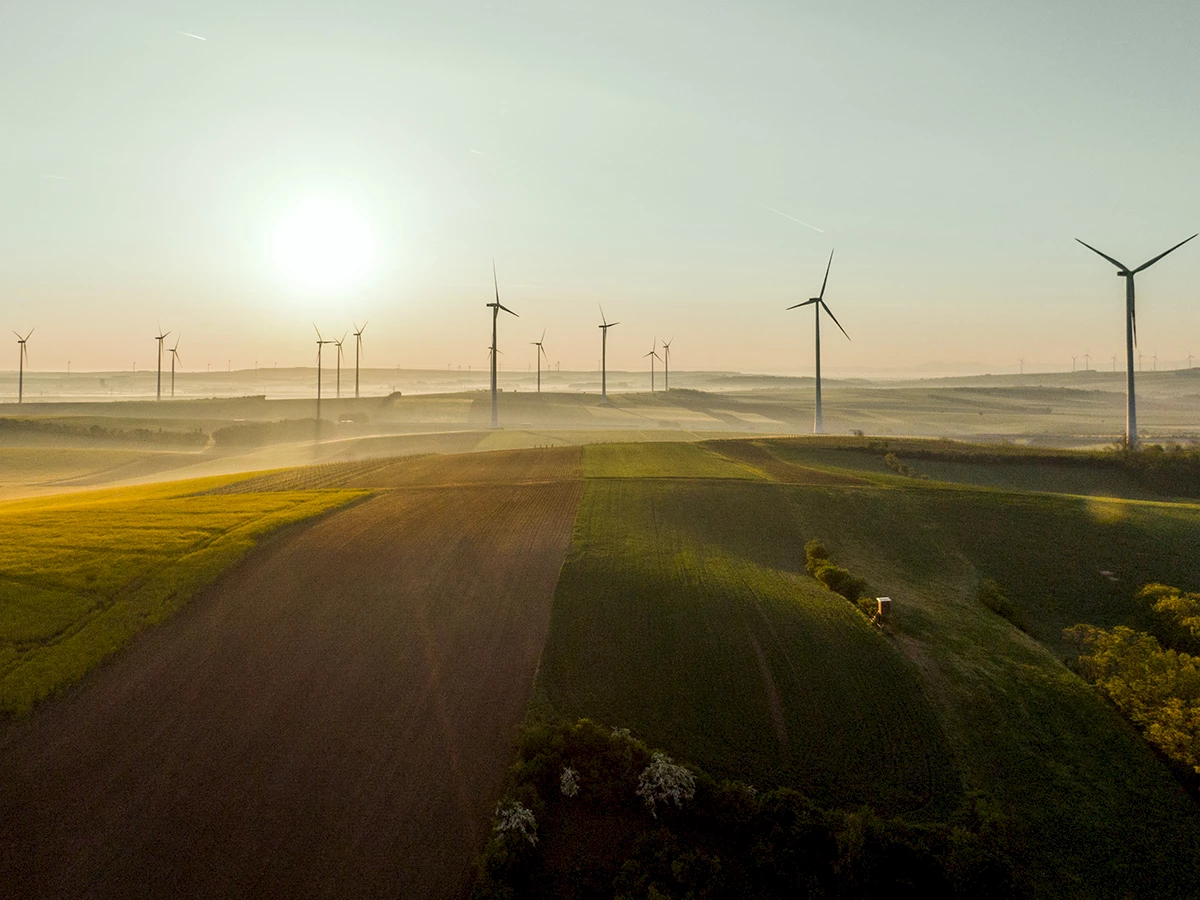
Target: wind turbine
x=321 y=342
x=1073 y=358
x=174 y=358
x=666 y=358
x=339 y=365
x=1189 y=360
x=22 y=355
x=1131 y=436
x=1087 y=360
x=358 y=333
x=158 y=381
x=653 y=356
x=1155 y=358
x=818 y=303
x=496 y=307
x=1022 y=362
x=541 y=351
x=604 y=355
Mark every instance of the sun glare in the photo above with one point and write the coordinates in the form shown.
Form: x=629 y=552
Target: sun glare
x=323 y=244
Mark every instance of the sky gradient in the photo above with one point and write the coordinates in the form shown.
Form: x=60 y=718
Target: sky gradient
x=622 y=153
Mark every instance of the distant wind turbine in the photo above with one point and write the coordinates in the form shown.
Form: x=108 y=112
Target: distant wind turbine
x=496 y=307
x=1073 y=358
x=541 y=351
x=175 y=358
x=1189 y=360
x=818 y=303
x=158 y=381
x=1022 y=362
x=1131 y=435
x=358 y=333
x=666 y=358
x=339 y=365
x=321 y=342
x=653 y=356
x=1155 y=358
x=22 y=356
x=1087 y=360
x=604 y=355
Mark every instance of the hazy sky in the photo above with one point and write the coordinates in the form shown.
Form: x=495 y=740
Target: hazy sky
x=617 y=152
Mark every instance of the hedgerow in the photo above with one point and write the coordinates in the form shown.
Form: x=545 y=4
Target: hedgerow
x=720 y=840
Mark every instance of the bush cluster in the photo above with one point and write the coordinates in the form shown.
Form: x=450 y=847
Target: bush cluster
x=726 y=841
x=991 y=595
x=834 y=577
x=1156 y=687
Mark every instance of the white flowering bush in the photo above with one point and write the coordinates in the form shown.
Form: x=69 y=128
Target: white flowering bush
x=569 y=782
x=665 y=781
x=512 y=816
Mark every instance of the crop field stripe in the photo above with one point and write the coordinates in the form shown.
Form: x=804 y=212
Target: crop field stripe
x=669 y=588
x=334 y=717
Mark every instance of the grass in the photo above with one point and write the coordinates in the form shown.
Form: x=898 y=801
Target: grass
x=683 y=613
x=81 y=575
x=655 y=460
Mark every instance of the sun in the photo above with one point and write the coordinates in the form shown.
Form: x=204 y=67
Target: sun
x=323 y=244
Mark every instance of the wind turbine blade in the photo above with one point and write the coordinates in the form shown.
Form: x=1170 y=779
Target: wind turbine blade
x=496 y=282
x=805 y=303
x=1120 y=265
x=835 y=321
x=1133 y=322
x=31 y=331
x=318 y=331
x=826 y=281
x=506 y=309
x=543 y=337
x=544 y=353
x=602 y=319
x=177 y=339
x=1147 y=265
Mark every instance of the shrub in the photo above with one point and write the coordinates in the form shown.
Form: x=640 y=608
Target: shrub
x=665 y=781
x=991 y=595
x=1156 y=689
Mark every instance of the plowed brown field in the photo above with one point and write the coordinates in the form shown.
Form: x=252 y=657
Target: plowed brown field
x=333 y=719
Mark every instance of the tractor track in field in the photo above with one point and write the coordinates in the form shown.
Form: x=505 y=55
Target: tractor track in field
x=333 y=718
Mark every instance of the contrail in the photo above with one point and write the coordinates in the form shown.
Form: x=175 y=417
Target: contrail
x=56 y=177
x=786 y=216
x=477 y=153
x=189 y=34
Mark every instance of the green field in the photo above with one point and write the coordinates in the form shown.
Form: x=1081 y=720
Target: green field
x=684 y=613
x=81 y=574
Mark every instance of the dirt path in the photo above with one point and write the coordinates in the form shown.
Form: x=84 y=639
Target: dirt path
x=333 y=719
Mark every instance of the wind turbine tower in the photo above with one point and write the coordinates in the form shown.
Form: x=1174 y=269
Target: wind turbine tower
x=604 y=355
x=358 y=333
x=653 y=356
x=496 y=307
x=158 y=381
x=818 y=303
x=22 y=356
x=175 y=358
x=666 y=358
x=541 y=351
x=1131 y=435
x=321 y=342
